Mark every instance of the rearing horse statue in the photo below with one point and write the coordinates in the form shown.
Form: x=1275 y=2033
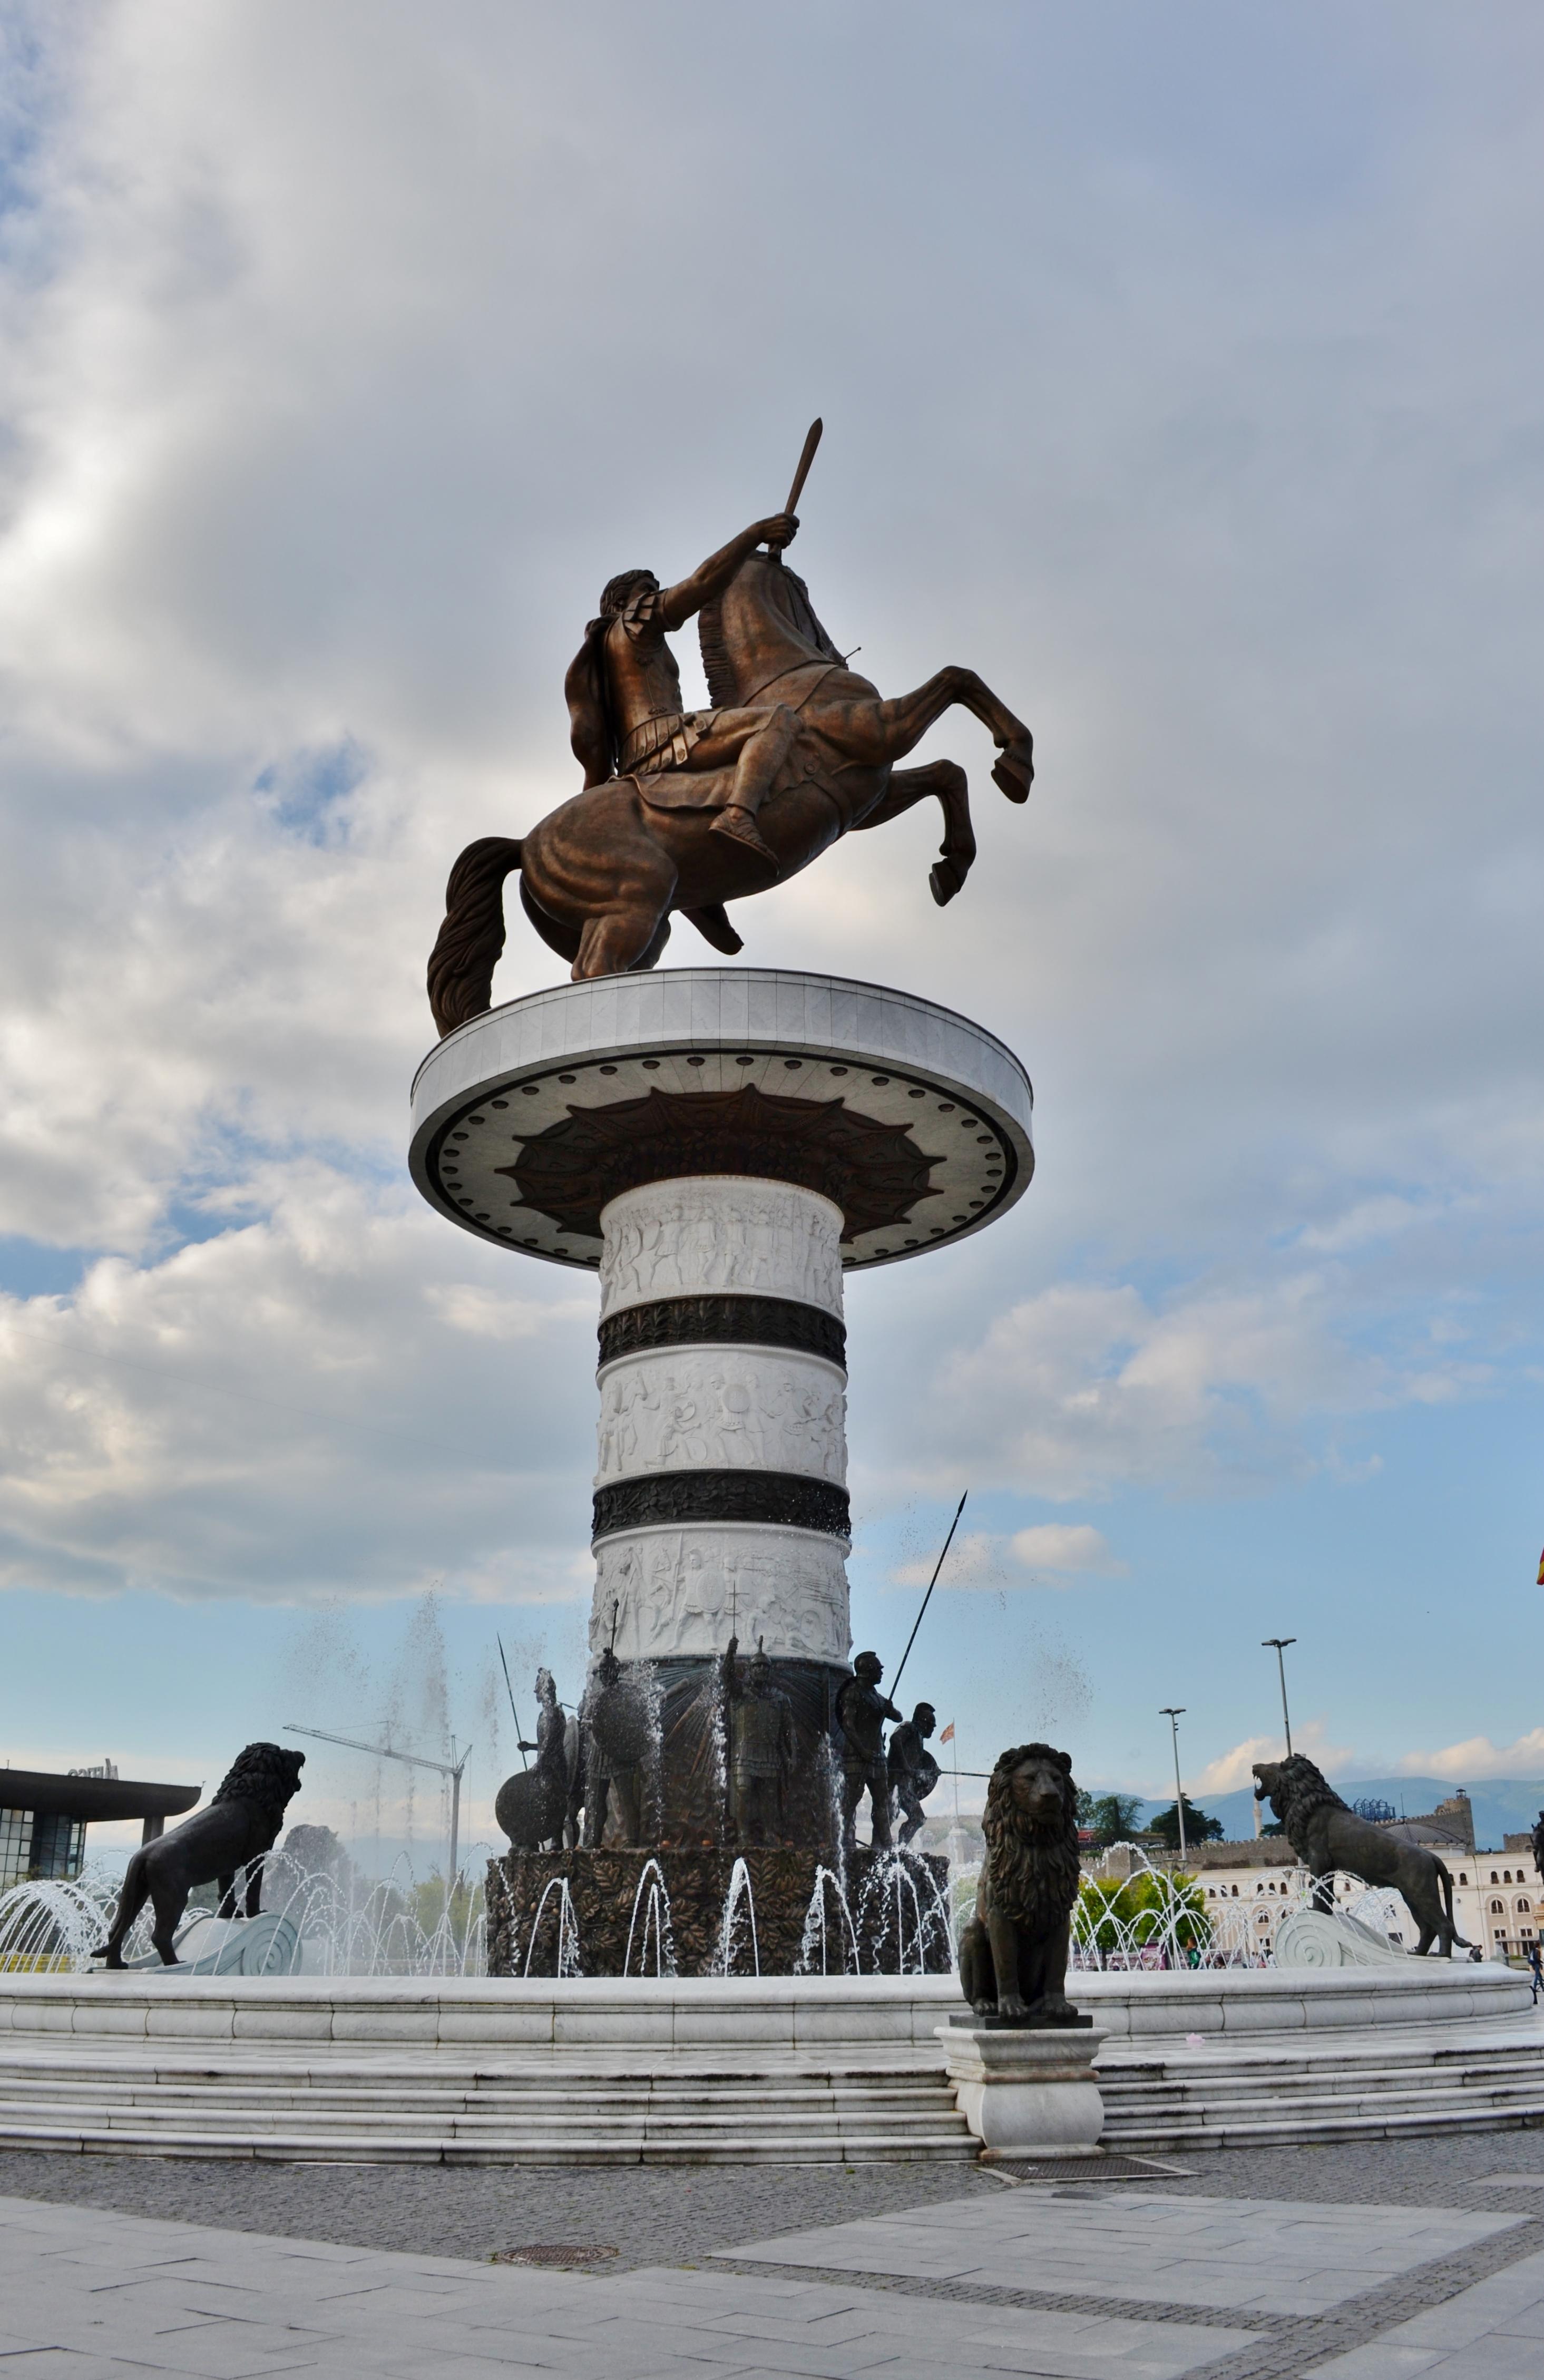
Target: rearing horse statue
x=601 y=877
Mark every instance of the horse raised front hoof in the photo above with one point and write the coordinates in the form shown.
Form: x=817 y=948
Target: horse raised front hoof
x=944 y=880
x=1015 y=771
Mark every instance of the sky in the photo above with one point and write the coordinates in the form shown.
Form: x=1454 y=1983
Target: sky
x=1181 y=373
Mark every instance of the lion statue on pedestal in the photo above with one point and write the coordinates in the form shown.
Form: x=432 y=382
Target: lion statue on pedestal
x=240 y=1825
x=1327 y=1834
x=1014 y=1952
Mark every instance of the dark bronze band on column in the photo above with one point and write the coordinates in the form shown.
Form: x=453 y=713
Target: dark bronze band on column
x=728 y=1322
x=777 y=1498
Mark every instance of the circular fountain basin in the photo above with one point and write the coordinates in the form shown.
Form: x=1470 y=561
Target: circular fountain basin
x=387 y=2069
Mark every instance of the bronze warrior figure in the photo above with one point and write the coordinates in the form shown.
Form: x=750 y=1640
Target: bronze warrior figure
x=913 y=1769
x=687 y=810
x=760 y=1725
x=861 y=1711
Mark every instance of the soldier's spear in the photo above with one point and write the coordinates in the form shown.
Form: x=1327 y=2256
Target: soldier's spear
x=928 y=1597
x=510 y=1692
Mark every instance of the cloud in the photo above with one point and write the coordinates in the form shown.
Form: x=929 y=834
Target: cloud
x=1056 y=1552
x=306 y=1402
x=1082 y=1388
x=1476 y=1756
x=1059 y=1549
x=975 y=1559
x=1233 y=1771
x=317 y=450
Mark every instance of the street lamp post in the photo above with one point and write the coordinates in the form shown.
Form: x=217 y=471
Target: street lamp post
x=1173 y=1716
x=1280 y=1644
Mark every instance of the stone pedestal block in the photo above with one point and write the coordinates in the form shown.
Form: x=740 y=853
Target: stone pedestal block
x=1026 y=2093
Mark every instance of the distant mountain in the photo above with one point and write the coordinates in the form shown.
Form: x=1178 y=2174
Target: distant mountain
x=1502 y=1805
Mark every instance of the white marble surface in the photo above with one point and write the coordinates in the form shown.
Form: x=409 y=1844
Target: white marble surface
x=722 y=1408
x=885 y=1055
x=682 y=1590
x=1029 y=2094
x=1243 y=2001
x=781 y=2016
x=720 y=1233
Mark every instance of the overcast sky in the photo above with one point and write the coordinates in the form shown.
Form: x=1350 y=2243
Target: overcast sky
x=1181 y=371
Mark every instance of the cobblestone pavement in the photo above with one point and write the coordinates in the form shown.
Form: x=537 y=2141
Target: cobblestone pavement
x=1243 y=2266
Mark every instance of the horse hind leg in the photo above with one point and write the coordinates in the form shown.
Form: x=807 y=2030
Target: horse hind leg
x=621 y=942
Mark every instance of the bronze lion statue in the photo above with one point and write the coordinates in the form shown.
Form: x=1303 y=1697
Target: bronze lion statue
x=239 y=1826
x=1326 y=1834
x=1014 y=1952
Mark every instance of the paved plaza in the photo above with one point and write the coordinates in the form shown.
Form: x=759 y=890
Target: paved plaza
x=1368 y=2262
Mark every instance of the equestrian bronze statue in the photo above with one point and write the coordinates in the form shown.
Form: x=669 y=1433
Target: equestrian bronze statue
x=689 y=810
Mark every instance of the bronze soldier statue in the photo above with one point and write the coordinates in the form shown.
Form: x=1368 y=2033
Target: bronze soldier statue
x=532 y=1806
x=913 y=1769
x=759 y=1723
x=624 y=693
x=862 y=1711
x=615 y=1723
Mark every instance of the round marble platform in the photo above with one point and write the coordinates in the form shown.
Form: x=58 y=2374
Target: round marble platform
x=523 y=1118
x=381 y=2070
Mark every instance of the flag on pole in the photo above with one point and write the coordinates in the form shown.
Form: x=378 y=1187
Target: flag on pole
x=948 y=1735
x=1541 y=1570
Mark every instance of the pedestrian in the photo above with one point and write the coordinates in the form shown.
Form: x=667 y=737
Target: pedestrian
x=1535 y=1971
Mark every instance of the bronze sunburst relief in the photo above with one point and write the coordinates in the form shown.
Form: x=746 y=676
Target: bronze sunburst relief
x=874 y=1172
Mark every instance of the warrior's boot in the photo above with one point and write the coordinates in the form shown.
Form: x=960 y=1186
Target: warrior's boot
x=739 y=821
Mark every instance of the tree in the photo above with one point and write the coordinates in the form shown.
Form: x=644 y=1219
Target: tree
x=1198 y=1828
x=1112 y=1816
x=1142 y=1912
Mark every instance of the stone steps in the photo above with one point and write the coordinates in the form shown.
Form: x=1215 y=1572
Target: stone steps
x=1207 y=2099
x=282 y=2110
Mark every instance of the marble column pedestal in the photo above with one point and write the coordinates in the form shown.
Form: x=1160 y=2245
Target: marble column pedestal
x=1026 y=2093
x=722 y=1146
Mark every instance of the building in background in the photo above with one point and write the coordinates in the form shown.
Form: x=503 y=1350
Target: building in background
x=43 y=1818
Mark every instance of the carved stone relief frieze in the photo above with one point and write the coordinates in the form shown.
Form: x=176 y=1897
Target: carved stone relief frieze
x=722 y=1409
x=673 y=1239
x=688 y=1591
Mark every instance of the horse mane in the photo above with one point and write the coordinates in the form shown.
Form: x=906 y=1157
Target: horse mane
x=724 y=685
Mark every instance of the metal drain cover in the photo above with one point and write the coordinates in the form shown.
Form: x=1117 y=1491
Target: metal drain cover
x=1093 y=2168
x=564 y=2257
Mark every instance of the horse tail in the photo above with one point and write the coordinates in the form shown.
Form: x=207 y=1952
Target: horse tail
x=472 y=938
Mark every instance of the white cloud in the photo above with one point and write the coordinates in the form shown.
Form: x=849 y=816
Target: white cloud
x=975 y=1559
x=1369 y=1219
x=338 y=381
x=1061 y=1550
x=295 y=1404
x=1476 y=1756
x=1056 y=1552
x=1233 y=1771
x=1082 y=1388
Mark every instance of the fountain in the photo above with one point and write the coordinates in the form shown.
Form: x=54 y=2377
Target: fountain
x=311 y=1925
x=721 y=1147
